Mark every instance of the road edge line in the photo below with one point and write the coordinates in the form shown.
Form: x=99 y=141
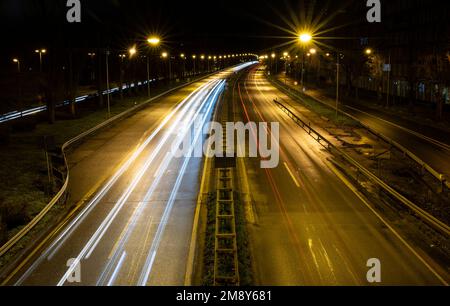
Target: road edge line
x=349 y=185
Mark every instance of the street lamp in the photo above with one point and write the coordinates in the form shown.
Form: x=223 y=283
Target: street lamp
x=40 y=52
x=165 y=55
x=183 y=58
x=153 y=41
x=17 y=61
x=304 y=39
x=194 y=57
x=368 y=51
x=286 y=56
x=273 y=55
x=132 y=51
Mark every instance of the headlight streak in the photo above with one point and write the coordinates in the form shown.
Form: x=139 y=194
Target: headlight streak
x=145 y=274
x=64 y=235
x=143 y=204
x=125 y=167
x=69 y=228
x=97 y=236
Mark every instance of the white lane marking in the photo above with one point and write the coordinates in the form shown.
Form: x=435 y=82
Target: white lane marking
x=396 y=234
x=145 y=274
x=133 y=221
x=97 y=236
x=292 y=175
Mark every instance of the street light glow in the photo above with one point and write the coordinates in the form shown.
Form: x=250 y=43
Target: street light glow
x=368 y=51
x=313 y=51
x=154 y=41
x=15 y=60
x=164 y=55
x=132 y=51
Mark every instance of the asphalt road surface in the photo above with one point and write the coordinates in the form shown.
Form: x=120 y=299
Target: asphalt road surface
x=136 y=228
x=311 y=228
x=430 y=144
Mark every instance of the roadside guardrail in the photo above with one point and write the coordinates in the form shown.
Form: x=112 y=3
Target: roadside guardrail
x=423 y=165
x=425 y=216
x=61 y=195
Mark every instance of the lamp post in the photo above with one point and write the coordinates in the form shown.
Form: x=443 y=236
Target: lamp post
x=17 y=61
x=285 y=55
x=107 y=83
x=183 y=59
x=153 y=41
x=165 y=55
x=40 y=52
x=202 y=58
x=304 y=39
x=273 y=55
x=194 y=57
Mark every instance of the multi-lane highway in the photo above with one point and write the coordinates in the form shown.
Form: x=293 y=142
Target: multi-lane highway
x=136 y=228
x=311 y=228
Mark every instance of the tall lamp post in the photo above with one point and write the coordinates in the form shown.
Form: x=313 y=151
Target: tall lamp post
x=40 y=52
x=17 y=61
x=273 y=55
x=165 y=55
x=107 y=83
x=153 y=42
x=304 y=38
x=285 y=55
x=194 y=57
x=183 y=59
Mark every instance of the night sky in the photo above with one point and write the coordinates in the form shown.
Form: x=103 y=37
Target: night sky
x=193 y=26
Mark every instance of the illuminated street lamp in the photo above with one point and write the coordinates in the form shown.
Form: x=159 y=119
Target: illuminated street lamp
x=40 y=52
x=17 y=61
x=132 y=51
x=368 y=51
x=305 y=38
x=165 y=55
x=153 y=41
x=312 y=51
x=273 y=56
x=194 y=58
x=183 y=58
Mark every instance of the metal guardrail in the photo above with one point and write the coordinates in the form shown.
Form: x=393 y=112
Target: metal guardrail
x=436 y=174
x=428 y=218
x=60 y=196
